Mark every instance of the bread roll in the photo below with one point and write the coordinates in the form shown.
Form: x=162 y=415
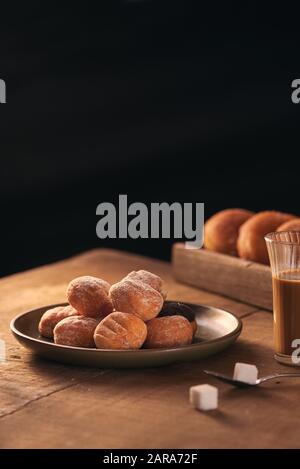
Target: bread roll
x=168 y=331
x=120 y=331
x=89 y=296
x=251 y=243
x=133 y=296
x=175 y=308
x=221 y=230
x=149 y=278
x=52 y=317
x=291 y=225
x=76 y=331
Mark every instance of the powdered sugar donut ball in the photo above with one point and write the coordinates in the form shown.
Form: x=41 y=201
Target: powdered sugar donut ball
x=76 y=331
x=174 y=308
x=132 y=296
x=89 y=296
x=149 y=278
x=52 y=317
x=168 y=331
x=120 y=331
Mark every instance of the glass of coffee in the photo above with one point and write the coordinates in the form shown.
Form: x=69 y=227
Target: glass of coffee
x=284 y=253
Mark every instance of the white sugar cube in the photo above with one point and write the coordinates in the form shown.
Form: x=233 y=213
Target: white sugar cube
x=245 y=373
x=204 y=397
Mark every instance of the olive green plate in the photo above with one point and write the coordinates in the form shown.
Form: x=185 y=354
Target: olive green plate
x=217 y=329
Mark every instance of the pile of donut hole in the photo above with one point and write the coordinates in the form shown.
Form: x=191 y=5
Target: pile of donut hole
x=241 y=233
x=121 y=317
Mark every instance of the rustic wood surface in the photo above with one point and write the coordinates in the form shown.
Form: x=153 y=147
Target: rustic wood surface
x=225 y=275
x=48 y=405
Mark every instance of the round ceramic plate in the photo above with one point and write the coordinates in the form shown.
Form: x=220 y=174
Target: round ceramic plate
x=216 y=330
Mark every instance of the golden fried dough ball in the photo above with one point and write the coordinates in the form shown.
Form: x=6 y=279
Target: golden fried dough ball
x=222 y=229
x=132 y=296
x=89 y=296
x=168 y=331
x=52 y=317
x=120 y=331
x=251 y=243
x=291 y=225
x=175 y=308
x=76 y=331
x=149 y=278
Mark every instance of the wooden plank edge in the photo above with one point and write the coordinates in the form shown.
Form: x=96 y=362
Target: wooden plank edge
x=225 y=275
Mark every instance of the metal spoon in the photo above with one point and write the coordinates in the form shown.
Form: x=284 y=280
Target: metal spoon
x=241 y=384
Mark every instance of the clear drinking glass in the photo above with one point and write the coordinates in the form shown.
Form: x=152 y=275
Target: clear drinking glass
x=284 y=253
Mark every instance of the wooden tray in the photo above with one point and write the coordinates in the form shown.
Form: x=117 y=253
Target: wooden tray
x=236 y=278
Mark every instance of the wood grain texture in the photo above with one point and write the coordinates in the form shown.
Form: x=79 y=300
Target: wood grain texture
x=150 y=408
x=241 y=280
x=44 y=404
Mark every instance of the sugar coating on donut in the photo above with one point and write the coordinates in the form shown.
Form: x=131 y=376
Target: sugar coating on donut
x=149 y=278
x=120 y=330
x=175 y=308
x=133 y=296
x=76 y=331
x=52 y=317
x=89 y=296
x=168 y=331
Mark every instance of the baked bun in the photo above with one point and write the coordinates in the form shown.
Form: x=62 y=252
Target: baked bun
x=89 y=296
x=120 y=331
x=175 y=308
x=291 y=225
x=251 y=243
x=76 y=331
x=168 y=331
x=133 y=296
x=149 y=278
x=222 y=229
x=52 y=317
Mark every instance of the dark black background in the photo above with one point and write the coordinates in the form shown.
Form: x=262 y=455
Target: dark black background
x=163 y=101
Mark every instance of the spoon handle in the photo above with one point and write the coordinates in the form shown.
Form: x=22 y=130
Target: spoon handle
x=279 y=375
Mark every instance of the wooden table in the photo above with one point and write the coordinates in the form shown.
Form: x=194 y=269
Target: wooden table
x=48 y=405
